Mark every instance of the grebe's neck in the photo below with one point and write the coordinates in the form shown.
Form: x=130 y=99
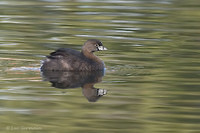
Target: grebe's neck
x=91 y=55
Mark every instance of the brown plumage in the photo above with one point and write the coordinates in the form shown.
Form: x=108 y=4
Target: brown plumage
x=66 y=59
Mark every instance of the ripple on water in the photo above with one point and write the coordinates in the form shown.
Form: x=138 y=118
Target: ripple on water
x=24 y=69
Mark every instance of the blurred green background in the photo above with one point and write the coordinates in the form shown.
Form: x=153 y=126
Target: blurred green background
x=152 y=66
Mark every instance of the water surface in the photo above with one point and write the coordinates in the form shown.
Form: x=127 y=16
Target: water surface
x=152 y=66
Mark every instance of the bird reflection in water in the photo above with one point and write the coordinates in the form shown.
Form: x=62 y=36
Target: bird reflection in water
x=85 y=80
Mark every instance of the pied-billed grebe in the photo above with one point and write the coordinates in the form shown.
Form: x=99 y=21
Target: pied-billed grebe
x=65 y=59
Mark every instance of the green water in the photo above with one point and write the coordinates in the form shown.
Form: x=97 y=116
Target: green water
x=152 y=74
